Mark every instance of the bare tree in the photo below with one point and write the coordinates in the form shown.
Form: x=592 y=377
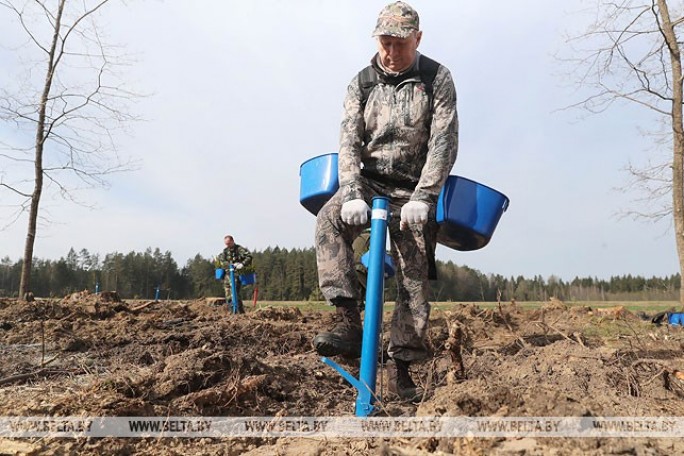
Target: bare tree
x=69 y=100
x=631 y=52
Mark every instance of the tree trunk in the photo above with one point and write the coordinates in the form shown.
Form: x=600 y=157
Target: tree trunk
x=25 y=284
x=668 y=31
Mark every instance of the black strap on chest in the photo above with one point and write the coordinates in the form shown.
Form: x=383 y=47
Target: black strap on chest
x=369 y=78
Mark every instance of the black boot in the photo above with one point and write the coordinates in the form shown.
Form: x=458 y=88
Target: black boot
x=345 y=338
x=240 y=307
x=400 y=383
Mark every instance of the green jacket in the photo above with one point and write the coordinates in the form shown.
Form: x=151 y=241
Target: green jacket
x=237 y=254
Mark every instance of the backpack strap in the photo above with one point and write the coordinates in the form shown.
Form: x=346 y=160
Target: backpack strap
x=368 y=79
x=428 y=72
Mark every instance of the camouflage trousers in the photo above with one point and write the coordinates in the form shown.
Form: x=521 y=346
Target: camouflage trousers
x=410 y=251
x=229 y=292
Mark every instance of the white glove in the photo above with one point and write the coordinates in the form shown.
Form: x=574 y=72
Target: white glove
x=239 y=266
x=414 y=212
x=355 y=212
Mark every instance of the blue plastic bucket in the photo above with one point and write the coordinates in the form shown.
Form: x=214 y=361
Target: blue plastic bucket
x=468 y=213
x=318 y=181
x=248 y=279
x=676 y=319
x=220 y=273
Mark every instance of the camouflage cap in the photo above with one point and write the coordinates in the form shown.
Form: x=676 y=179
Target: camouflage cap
x=397 y=19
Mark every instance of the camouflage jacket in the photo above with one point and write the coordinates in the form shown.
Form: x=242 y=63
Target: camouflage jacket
x=237 y=254
x=397 y=137
x=361 y=245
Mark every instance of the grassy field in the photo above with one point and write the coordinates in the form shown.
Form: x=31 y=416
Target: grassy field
x=634 y=306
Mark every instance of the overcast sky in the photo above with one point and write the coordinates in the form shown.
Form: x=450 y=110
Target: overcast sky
x=243 y=92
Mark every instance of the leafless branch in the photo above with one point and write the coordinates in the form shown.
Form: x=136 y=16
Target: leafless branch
x=72 y=117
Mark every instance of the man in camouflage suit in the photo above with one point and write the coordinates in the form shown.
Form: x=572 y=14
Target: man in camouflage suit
x=399 y=141
x=240 y=258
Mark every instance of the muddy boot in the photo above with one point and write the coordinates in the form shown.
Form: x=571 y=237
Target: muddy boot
x=399 y=382
x=345 y=338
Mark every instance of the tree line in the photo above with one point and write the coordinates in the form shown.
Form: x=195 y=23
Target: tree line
x=290 y=275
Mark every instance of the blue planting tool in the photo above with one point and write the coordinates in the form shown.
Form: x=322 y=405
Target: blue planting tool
x=97 y=287
x=233 y=291
x=156 y=293
x=372 y=321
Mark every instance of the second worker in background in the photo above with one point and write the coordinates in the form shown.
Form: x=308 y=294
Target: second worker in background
x=240 y=258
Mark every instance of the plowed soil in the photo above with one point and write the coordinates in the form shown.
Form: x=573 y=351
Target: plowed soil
x=84 y=357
